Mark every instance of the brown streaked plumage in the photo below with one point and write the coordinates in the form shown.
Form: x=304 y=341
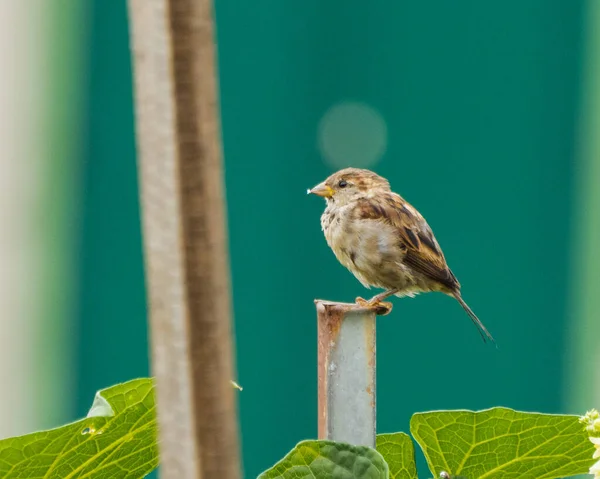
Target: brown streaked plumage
x=383 y=240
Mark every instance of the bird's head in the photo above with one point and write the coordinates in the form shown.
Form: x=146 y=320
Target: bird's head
x=348 y=185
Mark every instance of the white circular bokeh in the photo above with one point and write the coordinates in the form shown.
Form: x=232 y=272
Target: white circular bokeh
x=352 y=134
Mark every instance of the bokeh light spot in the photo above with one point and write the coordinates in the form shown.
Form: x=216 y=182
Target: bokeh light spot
x=352 y=134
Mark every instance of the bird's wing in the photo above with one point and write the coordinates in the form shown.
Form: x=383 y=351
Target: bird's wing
x=422 y=251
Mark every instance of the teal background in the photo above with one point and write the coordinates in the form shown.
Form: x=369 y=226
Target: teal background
x=481 y=103
x=112 y=307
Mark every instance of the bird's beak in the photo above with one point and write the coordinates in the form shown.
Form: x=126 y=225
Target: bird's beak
x=321 y=190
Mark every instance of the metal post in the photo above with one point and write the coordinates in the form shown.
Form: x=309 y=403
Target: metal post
x=185 y=240
x=347 y=409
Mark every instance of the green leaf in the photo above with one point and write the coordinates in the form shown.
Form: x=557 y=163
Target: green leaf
x=501 y=443
x=399 y=452
x=116 y=439
x=331 y=460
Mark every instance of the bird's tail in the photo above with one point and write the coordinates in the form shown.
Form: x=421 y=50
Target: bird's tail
x=480 y=327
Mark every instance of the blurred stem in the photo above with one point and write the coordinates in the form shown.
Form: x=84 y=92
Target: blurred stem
x=583 y=357
x=62 y=110
x=39 y=104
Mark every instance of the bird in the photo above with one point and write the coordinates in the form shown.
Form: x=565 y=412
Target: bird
x=384 y=241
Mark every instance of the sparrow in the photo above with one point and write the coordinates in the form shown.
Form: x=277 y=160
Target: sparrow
x=384 y=241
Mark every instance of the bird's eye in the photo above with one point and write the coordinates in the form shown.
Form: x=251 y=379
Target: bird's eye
x=343 y=184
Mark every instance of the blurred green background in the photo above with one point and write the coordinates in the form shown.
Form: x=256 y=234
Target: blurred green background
x=485 y=116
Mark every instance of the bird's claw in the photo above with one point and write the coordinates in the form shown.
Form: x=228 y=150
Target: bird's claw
x=362 y=302
x=382 y=308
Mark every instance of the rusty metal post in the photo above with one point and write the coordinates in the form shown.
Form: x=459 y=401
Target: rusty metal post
x=347 y=409
x=185 y=238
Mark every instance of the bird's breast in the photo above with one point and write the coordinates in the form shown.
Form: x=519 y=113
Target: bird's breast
x=369 y=249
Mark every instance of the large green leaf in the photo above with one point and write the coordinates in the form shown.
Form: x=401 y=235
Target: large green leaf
x=117 y=440
x=329 y=460
x=501 y=443
x=399 y=452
